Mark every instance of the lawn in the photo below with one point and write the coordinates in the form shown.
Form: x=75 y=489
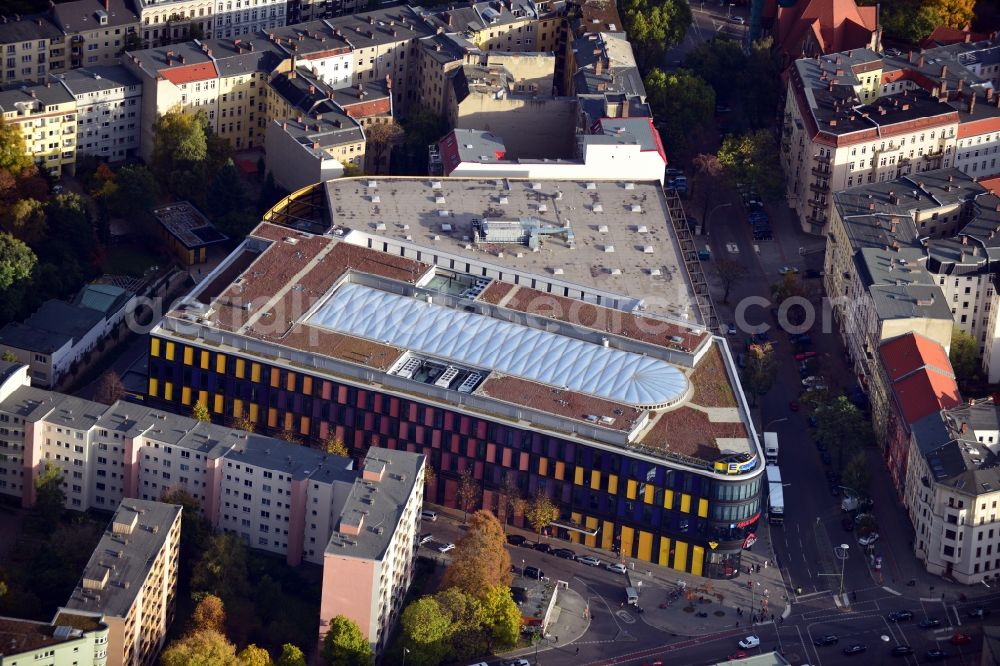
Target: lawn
x=129 y=259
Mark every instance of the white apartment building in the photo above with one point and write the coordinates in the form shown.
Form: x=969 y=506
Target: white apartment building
x=278 y=497
x=172 y=21
x=321 y=47
x=74 y=638
x=861 y=117
x=109 y=104
x=234 y=18
x=952 y=491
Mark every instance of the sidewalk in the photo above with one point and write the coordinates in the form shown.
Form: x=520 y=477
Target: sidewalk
x=570 y=621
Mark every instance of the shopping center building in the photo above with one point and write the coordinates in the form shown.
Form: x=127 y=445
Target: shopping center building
x=538 y=334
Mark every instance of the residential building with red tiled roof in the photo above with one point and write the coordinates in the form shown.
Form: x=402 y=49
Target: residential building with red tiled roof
x=915 y=379
x=945 y=36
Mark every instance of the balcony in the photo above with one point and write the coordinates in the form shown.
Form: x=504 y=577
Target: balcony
x=817 y=203
x=822 y=187
x=823 y=159
x=821 y=171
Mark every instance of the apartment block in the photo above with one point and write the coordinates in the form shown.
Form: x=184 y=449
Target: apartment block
x=368 y=561
x=860 y=117
x=108 y=110
x=131 y=580
x=314 y=319
x=71 y=638
x=319 y=47
x=95 y=33
x=602 y=63
x=25 y=42
x=305 y=150
x=173 y=21
x=46 y=116
x=952 y=490
x=913 y=380
x=911 y=254
x=235 y=18
x=496 y=25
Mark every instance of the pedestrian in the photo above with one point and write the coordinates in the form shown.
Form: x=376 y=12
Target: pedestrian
x=781 y=620
x=854 y=595
x=758 y=568
x=772 y=617
x=765 y=564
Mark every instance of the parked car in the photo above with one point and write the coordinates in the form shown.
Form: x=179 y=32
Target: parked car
x=936 y=654
x=564 y=553
x=741 y=360
x=445 y=547
x=543 y=547
x=427 y=514
x=929 y=623
x=589 y=560
x=731 y=329
x=424 y=538
x=801 y=356
x=534 y=572
x=900 y=616
x=829 y=639
x=749 y=642
x=739 y=654
x=739 y=20
x=979 y=613
x=856 y=648
x=959 y=638
x=515 y=539
x=788 y=270
x=802 y=340
x=616 y=567
x=516 y=662
x=901 y=651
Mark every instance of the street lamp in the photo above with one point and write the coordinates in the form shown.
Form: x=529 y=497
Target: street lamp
x=405 y=652
x=709 y=216
x=842 y=552
x=522 y=568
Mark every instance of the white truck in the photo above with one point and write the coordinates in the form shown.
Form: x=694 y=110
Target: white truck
x=771 y=448
x=776 y=496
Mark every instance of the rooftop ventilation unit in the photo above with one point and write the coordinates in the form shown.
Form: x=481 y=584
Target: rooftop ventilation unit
x=445 y=227
x=636 y=208
x=629 y=186
x=603 y=229
x=609 y=248
x=557 y=271
x=436 y=184
x=536 y=186
x=615 y=271
x=647 y=249
x=372 y=184
x=376 y=198
x=542 y=208
x=504 y=200
x=447 y=377
x=598 y=208
x=591 y=186
x=469 y=383
x=655 y=272
x=380 y=226
x=439 y=199
x=444 y=213
x=641 y=229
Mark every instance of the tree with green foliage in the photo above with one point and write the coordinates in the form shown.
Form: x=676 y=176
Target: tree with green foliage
x=208 y=614
x=750 y=107
x=468 y=493
x=73 y=245
x=507 y=498
x=480 y=559
x=16 y=261
x=466 y=631
x=379 y=139
x=8 y=356
x=752 y=159
x=913 y=20
x=252 y=655
x=345 y=645
x=856 y=475
x=178 y=140
x=50 y=498
x=201 y=648
x=14 y=155
x=501 y=618
x=291 y=655
x=426 y=628
x=334 y=445
x=133 y=42
x=682 y=104
x=761 y=370
x=653 y=26
x=842 y=427
x=222 y=569
x=200 y=412
x=136 y=192
x=229 y=204
x=964 y=355
x=25 y=220
x=540 y=512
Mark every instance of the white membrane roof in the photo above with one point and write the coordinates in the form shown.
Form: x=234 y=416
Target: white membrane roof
x=484 y=342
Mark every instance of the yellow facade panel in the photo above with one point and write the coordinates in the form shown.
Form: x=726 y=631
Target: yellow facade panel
x=595 y=480
x=645 y=546
x=254 y=412
x=290 y=382
x=630 y=488
x=685 y=503
x=186 y=395
x=220 y=364
x=220 y=403
x=591 y=525
x=578 y=476
x=628 y=534
x=154 y=347
x=153 y=386
x=241 y=368
x=307 y=385
x=168 y=391
x=680 y=555
x=647 y=493
x=560 y=470
x=607 y=535
x=664 y=559
x=613 y=484
x=237 y=408
x=203 y=398
x=304 y=426
x=205 y=358
x=188 y=355
x=272 y=417
x=255 y=372
x=169 y=354
x=697 y=559
x=668 y=499
x=543 y=466
x=574 y=537
x=703 y=508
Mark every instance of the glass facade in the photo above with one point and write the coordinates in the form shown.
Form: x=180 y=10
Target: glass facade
x=653 y=511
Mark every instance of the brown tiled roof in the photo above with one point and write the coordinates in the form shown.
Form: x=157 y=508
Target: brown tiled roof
x=688 y=432
x=568 y=404
x=494 y=293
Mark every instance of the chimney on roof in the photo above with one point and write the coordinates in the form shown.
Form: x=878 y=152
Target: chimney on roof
x=972 y=101
x=448 y=14
x=964 y=428
x=237 y=41
x=599 y=66
x=944 y=71
x=181 y=58
x=298 y=118
x=312 y=89
x=965 y=240
x=319 y=118
x=871 y=205
x=909 y=56
x=107 y=5
x=315 y=145
x=371 y=19
x=920 y=60
x=944 y=88
x=989 y=94
x=961 y=85
x=208 y=53
x=284 y=126
x=292 y=74
x=34 y=94
x=894 y=200
x=968 y=38
x=950 y=178
x=972 y=402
